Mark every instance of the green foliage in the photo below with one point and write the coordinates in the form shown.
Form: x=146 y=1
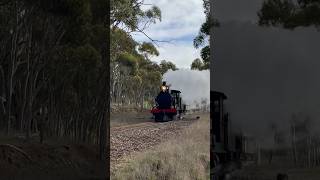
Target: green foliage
x=127 y=59
x=128 y=13
x=153 y=14
x=134 y=77
x=123 y=11
x=166 y=65
x=120 y=41
x=148 y=49
x=205 y=55
x=137 y=80
x=203 y=34
x=201 y=40
x=198 y=64
x=290 y=13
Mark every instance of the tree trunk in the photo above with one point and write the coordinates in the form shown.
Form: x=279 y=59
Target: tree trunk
x=294 y=144
x=309 y=151
x=11 y=73
x=142 y=99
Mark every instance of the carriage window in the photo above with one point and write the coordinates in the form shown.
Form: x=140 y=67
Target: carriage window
x=216 y=106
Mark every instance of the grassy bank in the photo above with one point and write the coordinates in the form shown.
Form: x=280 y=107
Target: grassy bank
x=183 y=157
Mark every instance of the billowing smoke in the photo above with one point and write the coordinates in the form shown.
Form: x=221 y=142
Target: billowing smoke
x=268 y=74
x=194 y=85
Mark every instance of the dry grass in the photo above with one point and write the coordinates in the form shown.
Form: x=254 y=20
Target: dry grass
x=184 y=157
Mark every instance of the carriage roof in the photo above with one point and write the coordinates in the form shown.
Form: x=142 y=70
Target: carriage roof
x=217 y=95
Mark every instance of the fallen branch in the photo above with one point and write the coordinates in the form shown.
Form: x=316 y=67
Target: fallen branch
x=16 y=149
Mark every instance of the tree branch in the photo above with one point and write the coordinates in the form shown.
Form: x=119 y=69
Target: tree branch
x=151 y=39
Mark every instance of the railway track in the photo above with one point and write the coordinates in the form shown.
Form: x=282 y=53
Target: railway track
x=151 y=124
x=137 y=125
x=125 y=140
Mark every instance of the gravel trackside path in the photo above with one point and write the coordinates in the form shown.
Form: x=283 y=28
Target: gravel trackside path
x=142 y=136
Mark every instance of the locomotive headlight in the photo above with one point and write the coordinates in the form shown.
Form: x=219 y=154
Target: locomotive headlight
x=163 y=88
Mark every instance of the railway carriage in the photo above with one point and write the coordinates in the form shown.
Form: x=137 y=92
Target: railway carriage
x=226 y=146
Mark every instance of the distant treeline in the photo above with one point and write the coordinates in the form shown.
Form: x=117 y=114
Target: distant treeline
x=54 y=69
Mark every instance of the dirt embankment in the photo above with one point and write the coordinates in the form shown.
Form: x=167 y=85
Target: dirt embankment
x=24 y=161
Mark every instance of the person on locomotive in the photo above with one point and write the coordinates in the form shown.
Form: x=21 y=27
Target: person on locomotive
x=164 y=98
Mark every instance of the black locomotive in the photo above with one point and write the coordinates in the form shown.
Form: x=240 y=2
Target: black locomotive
x=169 y=104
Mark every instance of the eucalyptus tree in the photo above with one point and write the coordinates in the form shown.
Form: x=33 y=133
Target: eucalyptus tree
x=290 y=14
x=128 y=68
x=53 y=58
x=167 y=65
x=127 y=17
x=130 y=16
x=197 y=64
x=201 y=40
x=146 y=68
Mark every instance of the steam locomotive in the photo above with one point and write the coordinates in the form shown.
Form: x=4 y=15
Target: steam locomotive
x=169 y=105
x=226 y=146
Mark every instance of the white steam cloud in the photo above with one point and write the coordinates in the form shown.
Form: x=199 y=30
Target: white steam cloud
x=194 y=85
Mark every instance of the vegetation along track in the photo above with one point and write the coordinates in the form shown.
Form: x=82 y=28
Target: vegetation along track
x=139 y=137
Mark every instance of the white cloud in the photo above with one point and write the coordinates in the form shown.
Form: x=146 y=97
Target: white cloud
x=181 y=21
x=181 y=54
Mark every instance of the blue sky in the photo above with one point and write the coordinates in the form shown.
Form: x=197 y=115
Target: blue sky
x=181 y=21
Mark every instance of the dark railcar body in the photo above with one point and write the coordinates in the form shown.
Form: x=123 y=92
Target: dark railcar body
x=219 y=125
x=226 y=146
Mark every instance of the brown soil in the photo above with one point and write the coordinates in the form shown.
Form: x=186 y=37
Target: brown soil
x=24 y=161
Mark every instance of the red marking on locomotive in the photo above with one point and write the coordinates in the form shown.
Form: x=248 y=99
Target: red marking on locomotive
x=157 y=110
